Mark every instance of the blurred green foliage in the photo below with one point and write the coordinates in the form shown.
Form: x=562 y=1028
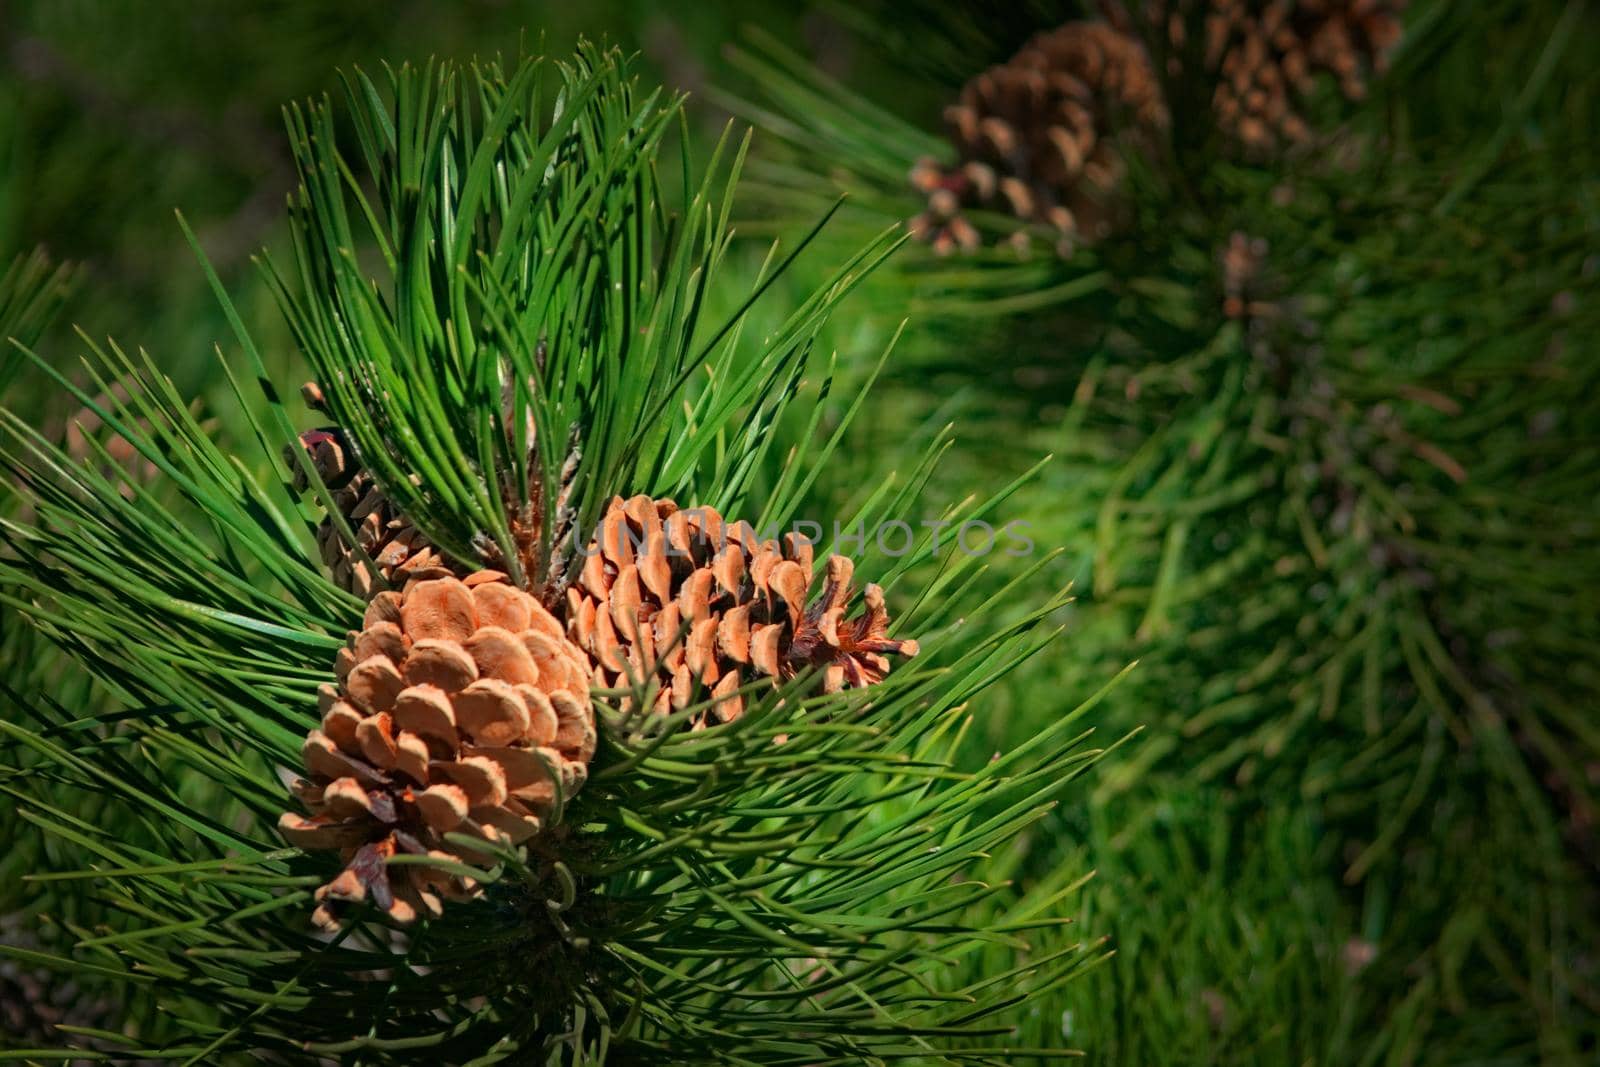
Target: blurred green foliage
x=1348 y=528
x=1353 y=543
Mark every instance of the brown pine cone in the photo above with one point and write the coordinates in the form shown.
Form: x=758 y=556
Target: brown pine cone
x=459 y=707
x=398 y=548
x=1242 y=262
x=85 y=426
x=35 y=1001
x=1040 y=137
x=705 y=607
x=1268 y=56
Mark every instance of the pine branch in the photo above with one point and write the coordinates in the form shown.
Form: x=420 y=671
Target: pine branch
x=1321 y=472
x=790 y=886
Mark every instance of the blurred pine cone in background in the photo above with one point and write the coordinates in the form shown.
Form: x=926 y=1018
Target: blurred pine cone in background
x=1241 y=263
x=1041 y=136
x=34 y=1001
x=1266 y=57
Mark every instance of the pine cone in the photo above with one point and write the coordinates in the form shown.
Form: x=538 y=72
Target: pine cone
x=1267 y=56
x=705 y=607
x=34 y=1001
x=1242 y=262
x=1041 y=137
x=398 y=548
x=459 y=707
x=86 y=426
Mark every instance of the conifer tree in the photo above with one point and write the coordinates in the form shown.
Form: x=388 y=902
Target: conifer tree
x=1319 y=405
x=511 y=293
